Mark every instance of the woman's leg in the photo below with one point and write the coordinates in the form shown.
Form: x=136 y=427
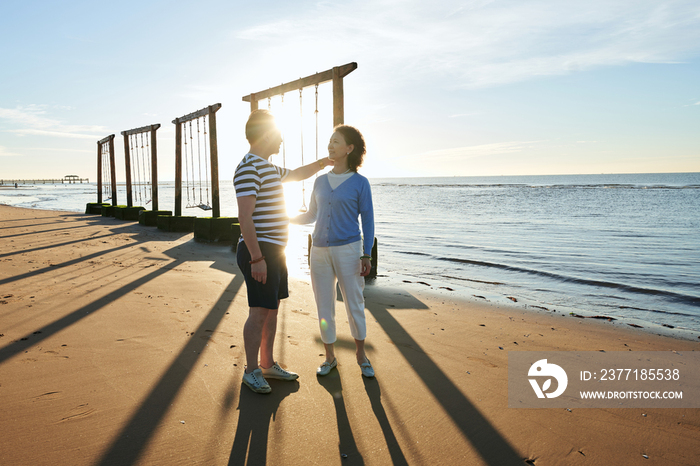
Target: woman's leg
x=346 y=261
x=330 y=352
x=323 y=283
x=360 y=352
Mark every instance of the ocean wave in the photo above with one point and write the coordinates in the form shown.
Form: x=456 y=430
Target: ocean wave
x=458 y=185
x=670 y=295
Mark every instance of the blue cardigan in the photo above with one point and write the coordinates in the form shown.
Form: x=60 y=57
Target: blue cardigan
x=336 y=212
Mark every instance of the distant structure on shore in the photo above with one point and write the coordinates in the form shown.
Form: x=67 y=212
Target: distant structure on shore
x=68 y=179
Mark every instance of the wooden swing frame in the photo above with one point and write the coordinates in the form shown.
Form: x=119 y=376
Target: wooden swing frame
x=210 y=112
x=154 y=163
x=112 y=168
x=335 y=74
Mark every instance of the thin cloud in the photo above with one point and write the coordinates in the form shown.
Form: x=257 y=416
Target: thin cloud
x=470 y=152
x=488 y=43
x=57 y=134
x=6 y=153
x=57 y=149
x=32 y=120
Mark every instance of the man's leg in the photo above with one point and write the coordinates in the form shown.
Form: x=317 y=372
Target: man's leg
x=269 y=329
x=253 y=335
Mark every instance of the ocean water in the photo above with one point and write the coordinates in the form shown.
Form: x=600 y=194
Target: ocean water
x=622 y=246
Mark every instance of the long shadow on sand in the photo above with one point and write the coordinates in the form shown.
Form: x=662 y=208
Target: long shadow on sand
x=21 y=345
x=55 y=245
x=138 y=232
x=374 y=393
x=347 y=447
x=134 y=437
x=39 y=232
x=488 y=442
x=256 y=412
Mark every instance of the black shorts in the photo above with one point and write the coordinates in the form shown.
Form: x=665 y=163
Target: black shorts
x=275 y=288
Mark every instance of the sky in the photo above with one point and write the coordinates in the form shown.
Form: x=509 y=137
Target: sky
x=442 y=88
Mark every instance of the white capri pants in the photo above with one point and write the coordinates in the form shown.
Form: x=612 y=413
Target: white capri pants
x=341 y=263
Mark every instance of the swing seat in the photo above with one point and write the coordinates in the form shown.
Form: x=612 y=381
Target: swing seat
x=204 y=206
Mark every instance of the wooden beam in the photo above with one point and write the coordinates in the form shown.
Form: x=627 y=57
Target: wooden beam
x=197 y=114
x=143 y=129
x=318 y=78
x=107 y=139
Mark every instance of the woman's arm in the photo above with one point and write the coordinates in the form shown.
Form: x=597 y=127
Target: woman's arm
x=367 y=215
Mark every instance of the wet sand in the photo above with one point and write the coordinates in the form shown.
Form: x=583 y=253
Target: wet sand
x=122 y=344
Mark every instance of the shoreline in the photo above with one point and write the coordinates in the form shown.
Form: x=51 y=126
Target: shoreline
x=468 y=295
x=518 y=304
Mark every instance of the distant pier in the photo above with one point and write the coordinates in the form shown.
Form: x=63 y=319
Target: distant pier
x=68 y=179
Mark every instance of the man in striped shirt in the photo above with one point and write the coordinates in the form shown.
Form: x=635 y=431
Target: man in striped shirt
x=264 y=223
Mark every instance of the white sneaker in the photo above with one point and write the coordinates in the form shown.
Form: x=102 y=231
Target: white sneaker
x=256 y=382
x=276 y=372
x=326 y=367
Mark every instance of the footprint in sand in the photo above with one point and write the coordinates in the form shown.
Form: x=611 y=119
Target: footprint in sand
x=79 y=412
x=54 y=354
x=299 y=311
x=482 y=361
x=292 y=341
x=48 y=396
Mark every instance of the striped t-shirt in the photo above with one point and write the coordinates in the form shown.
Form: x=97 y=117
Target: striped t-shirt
x=257 y=177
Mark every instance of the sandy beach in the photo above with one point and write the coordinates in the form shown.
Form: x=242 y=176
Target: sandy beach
x=122 y=344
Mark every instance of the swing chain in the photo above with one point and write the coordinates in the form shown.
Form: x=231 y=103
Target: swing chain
x=284 y=143
x=316 y=112
x=301 y=125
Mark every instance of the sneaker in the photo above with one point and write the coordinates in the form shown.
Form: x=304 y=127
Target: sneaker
x=276 y=372
x=256 y=381
x=366 y=368
x=326 y=367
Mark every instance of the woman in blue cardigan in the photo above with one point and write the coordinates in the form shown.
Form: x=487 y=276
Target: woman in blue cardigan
x=339 y=252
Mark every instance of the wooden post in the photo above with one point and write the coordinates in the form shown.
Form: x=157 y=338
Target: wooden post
x=99 y=172
x=154 y=169
x=338 y=102
x=178 y=169
x=214 y=155
x=127 y=157
x=253 y=103
x=113 y=168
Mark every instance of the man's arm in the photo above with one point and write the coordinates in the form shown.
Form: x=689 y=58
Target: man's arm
x=246 y=207
x=307 y=171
